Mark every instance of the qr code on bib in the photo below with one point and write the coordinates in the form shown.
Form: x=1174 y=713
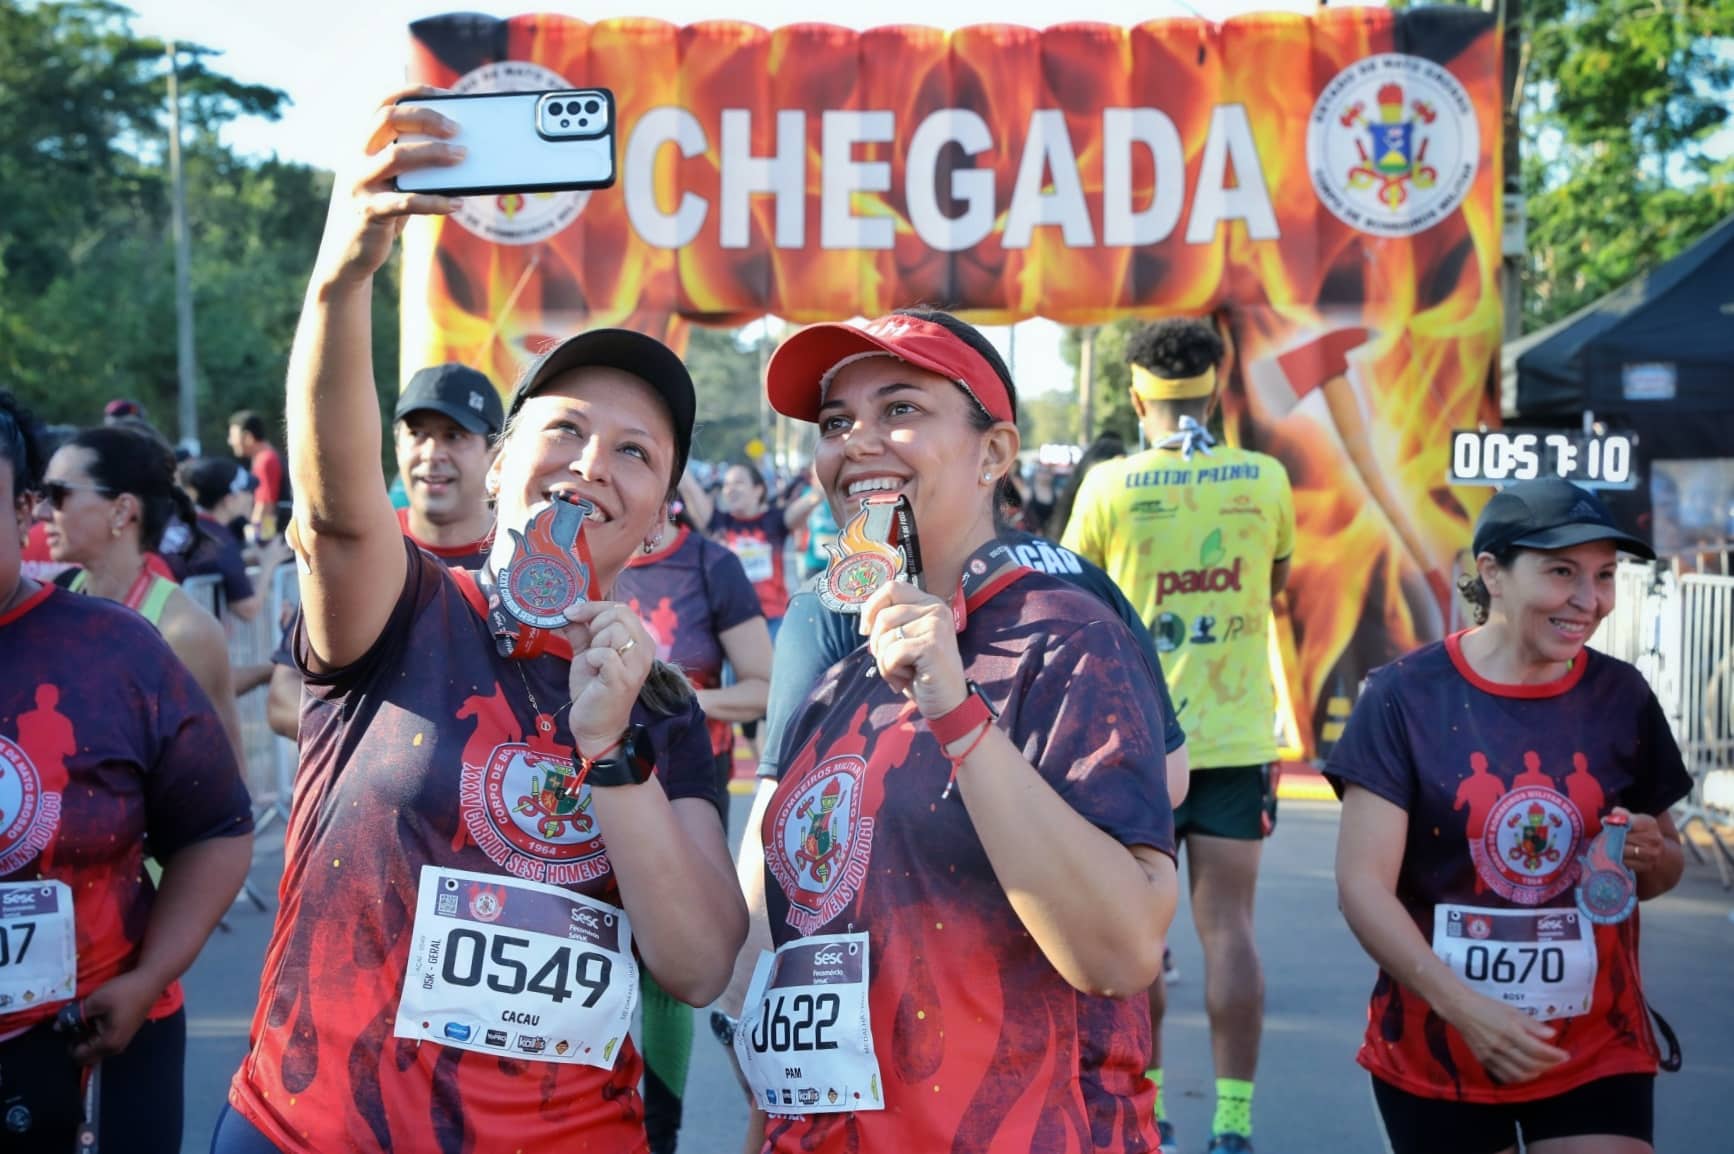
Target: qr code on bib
x=447 y=905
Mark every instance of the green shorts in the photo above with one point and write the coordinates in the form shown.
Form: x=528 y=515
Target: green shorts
x=1234 y=802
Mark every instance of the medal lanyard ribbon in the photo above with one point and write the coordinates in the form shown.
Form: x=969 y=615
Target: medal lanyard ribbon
x=1189 y=438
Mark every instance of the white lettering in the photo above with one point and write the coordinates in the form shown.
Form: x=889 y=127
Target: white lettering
x=972 y=186
x=656 y=128
x=1213 y=202
x=1048 y=147
x=744 y=174
x=841 y=176
x=1122 y=128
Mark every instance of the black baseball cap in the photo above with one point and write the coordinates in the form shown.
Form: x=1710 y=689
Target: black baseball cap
x=629 y=351
x=1550 y=514
x=455 y=391
x=213 y=478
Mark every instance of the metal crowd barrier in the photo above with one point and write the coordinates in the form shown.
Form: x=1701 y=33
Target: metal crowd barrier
x=1678 y=629
x=269 y=767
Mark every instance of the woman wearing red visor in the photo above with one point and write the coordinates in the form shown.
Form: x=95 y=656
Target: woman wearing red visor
x=969 y=864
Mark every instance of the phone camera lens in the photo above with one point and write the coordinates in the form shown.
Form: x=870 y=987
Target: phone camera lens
x=583 y=122
x=593 y=106
x=567 y=123
x=555 y=108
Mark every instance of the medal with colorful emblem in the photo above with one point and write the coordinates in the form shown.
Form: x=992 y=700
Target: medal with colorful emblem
x=549 y=571
x=876 y=547
x=1607 y=891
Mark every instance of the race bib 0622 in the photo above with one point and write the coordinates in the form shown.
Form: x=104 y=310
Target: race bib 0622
x=505 y=966
x=805 y=1041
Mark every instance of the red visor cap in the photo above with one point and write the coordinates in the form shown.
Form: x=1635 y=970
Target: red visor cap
x=802 y=365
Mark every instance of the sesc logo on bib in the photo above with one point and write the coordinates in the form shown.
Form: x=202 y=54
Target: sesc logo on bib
x=1393 y=145
x=516 y=217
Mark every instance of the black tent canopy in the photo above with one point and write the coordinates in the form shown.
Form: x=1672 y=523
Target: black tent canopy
x=1655 y=357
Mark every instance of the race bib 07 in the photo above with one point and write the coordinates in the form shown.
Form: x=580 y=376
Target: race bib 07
x=805 y=1041
x=755 y=557
x=38 y=945
x=1542 y=961
x=504 y=966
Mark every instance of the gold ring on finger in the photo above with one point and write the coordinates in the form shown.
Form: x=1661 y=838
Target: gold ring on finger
x=624 y=649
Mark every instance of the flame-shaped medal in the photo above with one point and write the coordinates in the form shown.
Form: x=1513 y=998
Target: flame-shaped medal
x=876 y=546
x=1607 y=891
x=550 y=565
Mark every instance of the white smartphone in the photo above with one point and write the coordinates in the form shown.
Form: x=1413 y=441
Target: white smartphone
x=521 y=142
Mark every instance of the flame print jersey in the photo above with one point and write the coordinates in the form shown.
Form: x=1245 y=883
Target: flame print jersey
x=427 y=751
x=982 y=1045
x=105 y=739
x=687 y=593
x=1505 y=785
x=1191 y=542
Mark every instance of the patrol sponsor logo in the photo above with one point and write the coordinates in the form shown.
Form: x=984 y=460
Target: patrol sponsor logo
x=820 y=842
x=29 y=814
x=1393 y=145
x=1527 y=852
x=514 y=217
x=523 y=811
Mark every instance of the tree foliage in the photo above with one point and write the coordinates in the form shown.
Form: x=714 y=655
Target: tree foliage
x=87 y=298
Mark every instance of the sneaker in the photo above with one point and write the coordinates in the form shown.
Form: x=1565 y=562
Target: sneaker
x=1165 y=1132
x=1229 y=1144
x=1170 y=971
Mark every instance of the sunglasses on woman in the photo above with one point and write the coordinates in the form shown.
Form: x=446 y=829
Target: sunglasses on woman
x=56 y=492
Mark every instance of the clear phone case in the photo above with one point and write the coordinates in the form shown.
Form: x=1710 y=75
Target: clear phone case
x=521 y=142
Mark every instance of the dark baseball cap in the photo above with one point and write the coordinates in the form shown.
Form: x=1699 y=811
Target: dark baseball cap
x=1550 y=514
x=455 y=391
x=630 y=351
x=213 y=478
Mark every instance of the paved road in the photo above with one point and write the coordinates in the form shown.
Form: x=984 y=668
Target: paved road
x=1311 y=1099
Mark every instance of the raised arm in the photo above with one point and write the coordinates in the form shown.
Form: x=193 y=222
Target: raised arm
x=344 y=530
x=699 y=506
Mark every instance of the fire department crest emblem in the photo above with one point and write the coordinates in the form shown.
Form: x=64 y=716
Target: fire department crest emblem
x=820 y=842
x=1393 y=145
x=1527 y=852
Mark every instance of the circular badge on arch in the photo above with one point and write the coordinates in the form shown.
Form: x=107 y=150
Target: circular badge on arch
x=516 y=217
x=1393 y=145
x=1527 y=853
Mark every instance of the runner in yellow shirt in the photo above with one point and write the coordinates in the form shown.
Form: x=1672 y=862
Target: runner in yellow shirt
x=1198 y=536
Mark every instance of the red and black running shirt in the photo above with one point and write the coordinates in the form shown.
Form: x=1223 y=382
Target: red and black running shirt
x=105 y=741
x=981 y=1044
x=1469 y=759
x=422 y=752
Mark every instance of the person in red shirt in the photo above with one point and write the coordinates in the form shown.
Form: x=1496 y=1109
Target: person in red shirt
x=1476 y=774
x=247 y=440
x=969 y=858
x=106 y=742
x=755 y=528
x=491 y=831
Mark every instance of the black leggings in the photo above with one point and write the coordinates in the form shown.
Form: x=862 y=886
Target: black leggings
x=40 y=1091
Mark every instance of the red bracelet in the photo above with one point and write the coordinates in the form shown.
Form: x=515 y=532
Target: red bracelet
x=583 y=765
x=951 y=782
x=961 y=720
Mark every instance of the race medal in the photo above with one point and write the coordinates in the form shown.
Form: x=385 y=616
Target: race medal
x=38 y=945
x=548 y=572
x=805 y=1038
x=1607 y=891
x=877 y=546
x=518 y=969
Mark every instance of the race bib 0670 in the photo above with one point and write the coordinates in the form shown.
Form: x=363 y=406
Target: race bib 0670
x=505 y=966
x=1540 y=961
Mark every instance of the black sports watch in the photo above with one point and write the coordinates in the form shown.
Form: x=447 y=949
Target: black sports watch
x=629 y=763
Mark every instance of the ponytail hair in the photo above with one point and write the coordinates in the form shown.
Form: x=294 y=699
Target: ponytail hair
x=666 y=690
x=128 y=460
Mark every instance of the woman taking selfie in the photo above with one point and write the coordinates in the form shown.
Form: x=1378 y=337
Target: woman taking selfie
x=106 y=744
x=1505 y=808
x=969 y=864
x=495 y=824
